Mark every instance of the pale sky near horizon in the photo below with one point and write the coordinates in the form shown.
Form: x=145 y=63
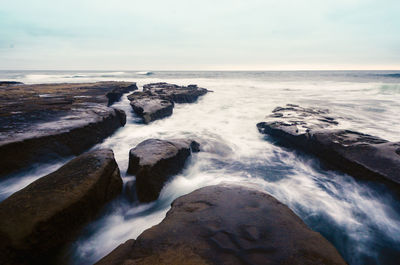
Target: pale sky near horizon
x=200 y=35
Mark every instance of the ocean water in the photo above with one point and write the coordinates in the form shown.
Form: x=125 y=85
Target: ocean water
x=362 y=219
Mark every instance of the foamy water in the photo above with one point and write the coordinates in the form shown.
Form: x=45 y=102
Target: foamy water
x=361 y=219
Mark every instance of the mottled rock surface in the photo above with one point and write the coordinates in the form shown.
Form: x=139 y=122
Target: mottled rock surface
x=313 y=130
x=46 y=121
x=175 y=93
x=150 y=107
x=154 y=161
x=39 y=219
x=227 y=225
x=156 y=101
x=116 y=93
x=68 y=135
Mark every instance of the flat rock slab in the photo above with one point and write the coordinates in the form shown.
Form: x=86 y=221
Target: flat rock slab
x=150 y=107
x=45 y=121
x=68 y=135
x=314 y=131
x=177 y=94
x=227 y=225
x=39 y=219
x=156 y=101
x=154 y=161
x=36 y=100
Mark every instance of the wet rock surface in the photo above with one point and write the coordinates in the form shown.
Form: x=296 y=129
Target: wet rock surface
x=46 y=121
x=39 y=219
x=175 y=93
x=156 y=101
x=116 y=93
x=227 y=225
x=154 y=161
x=314 y=131
x=150 y=107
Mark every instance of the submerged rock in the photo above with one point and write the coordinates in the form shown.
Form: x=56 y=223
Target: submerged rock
x=46 y=121
x=154 y=161
x=156 y=101
x=39 y=219
x=227 y=225
x=313 y=131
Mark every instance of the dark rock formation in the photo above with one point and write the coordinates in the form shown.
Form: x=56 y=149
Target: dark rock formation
x=227 y=225
x=358 y=154
x=150 y=107
x=38 y=220
x=155 y=161
x=157 y=99
x=68 y=135
x=116 y=93
x=175 y=93
x=35 y=101
x=46 y=121
x=119 y=254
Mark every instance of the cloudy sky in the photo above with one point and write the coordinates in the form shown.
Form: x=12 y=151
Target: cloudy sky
x=199 y=35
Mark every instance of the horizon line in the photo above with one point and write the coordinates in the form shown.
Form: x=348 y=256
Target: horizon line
x=205 y=70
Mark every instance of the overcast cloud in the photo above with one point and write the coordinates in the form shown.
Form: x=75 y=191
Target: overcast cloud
x=193 y=35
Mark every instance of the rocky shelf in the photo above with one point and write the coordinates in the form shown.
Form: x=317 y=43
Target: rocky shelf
x=157 y=100
x=227 y=224
x=47 y=121
x=313 y=130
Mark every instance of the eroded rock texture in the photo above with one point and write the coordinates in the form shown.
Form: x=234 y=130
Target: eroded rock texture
x=227 y=225
x=154 y=161
x=313 y=130
x=38 y=220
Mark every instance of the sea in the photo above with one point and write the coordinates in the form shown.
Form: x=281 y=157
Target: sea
x=360 y=218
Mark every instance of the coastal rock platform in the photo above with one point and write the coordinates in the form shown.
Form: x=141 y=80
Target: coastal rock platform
x=314 y=131
x=47 y=121
x=227 y=224
x=157 y=100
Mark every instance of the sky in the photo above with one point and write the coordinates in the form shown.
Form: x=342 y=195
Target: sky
x=199 y=35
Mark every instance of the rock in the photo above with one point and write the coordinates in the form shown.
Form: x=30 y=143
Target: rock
x=38 y=220
x=46 y=121
x=357 y=154
x=157 y=99
x=150 y=107
x=68 y=135
x=154 y=161
x=227 y=225
x=175 y=93
x=116 y=93
x=40 y=99
x=118 y=255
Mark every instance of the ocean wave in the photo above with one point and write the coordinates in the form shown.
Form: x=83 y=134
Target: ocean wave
x=144 y=73
x=95 y=74
x=396 y=75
